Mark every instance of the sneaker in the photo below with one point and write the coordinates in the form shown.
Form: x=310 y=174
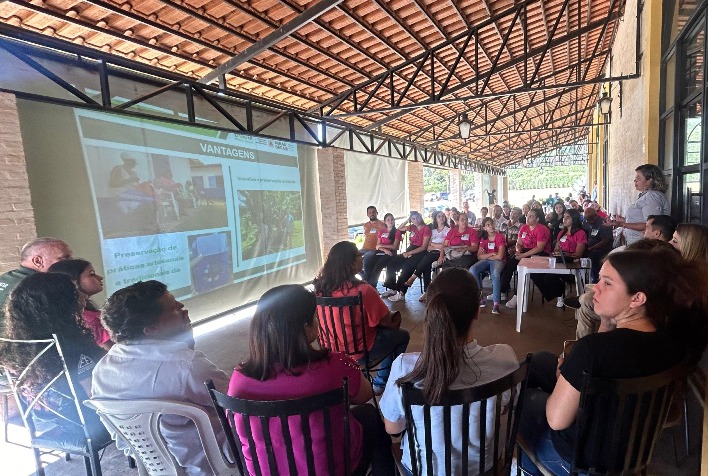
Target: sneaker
x=495 y=308
x=399 y=296
x=388 y=293
x=482 y=303
x=559 y=302
x=572 y=302
x=490 y=297
x=423 y=297
x=511 y=304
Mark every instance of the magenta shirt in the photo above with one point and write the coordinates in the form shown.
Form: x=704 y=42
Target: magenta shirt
x=316 y=378
x=569 y=243
x=529 y=238
x=418 y=235
x=383 y=236
x=492 y=246
x=455 y=238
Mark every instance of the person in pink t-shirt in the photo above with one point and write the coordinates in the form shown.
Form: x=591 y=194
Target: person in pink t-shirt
x=572 y=240
x=283 y=365
x=400 y=268
x=88 y=283
x=461 y=245
x=491 y=256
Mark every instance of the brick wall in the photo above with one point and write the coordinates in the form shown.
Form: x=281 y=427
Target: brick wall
x=333 y=197
x=16 y=214
x=415 y=186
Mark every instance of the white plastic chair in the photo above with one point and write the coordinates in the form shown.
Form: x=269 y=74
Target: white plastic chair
x=137 y=423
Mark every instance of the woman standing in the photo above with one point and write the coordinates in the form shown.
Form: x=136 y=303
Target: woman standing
x=656 y=300
x=435 y=248
x=534 y=239
x=404 y=264
x=383 y=333
x=571 y=240
x=451 y=359
x=491 y=256
x=283 y=365
x=651 y=183
x=387 y=245
x=461 y=245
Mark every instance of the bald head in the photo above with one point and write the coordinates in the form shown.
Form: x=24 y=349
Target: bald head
x=40 y=253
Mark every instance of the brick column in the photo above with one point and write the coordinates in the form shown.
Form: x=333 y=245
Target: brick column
x=333 y=197
x=17 y=224
x=415 y=186
x=456 y=188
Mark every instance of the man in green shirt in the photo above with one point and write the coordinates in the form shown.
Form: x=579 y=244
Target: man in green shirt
x=36 y=256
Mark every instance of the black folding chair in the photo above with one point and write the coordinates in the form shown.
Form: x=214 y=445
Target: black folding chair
x=619 y=422
x=489 y=398
x=64 y=430
x=257 y=417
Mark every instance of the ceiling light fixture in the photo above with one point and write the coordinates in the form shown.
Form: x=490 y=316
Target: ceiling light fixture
x=465 y=126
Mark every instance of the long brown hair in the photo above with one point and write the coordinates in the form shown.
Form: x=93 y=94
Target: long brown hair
x=453 y=304
x=337 y=270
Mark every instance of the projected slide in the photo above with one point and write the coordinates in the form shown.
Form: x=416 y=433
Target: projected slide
x=195 y=208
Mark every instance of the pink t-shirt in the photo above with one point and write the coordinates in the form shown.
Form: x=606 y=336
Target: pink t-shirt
x=419 y=234
x=92 y=322
x=383 y=236
x=466 y=238
x=375 y=310
x=492 y=246
x=569 y=243
x=313 y=379
x=530 y=238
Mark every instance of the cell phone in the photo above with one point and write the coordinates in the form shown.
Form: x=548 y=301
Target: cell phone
x=567 y=345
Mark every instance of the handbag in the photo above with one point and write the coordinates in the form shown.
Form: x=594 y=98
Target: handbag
x=454 y=253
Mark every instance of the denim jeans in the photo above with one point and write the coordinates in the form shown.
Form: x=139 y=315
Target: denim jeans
x=387 y=339
x=495 y=268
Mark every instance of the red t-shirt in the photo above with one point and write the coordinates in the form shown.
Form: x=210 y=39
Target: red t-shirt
x=569 y=243
x=374 y=308
x=466 y=238
x=383 y=236
x=419 y=234
x=530 y=238
x=492 y=246
x=312 y=379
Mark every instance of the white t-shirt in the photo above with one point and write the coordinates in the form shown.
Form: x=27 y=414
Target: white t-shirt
x=439 y=236
x=480 y=365
x=650 y=202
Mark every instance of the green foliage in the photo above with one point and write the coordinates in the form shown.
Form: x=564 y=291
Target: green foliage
x=560 y=177
x=435 y=180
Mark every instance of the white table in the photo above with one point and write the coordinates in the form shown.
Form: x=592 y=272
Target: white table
x=539 y=264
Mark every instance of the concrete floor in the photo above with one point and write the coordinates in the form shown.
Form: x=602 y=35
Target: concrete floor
x=545 y=327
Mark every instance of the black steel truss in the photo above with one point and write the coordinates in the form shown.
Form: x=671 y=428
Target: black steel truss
x=27 y=47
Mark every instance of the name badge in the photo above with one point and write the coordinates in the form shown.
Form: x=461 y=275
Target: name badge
x=594 y=232
x=490 y=246
x=523 y=235
x=373 y=230
x=412 y=234
x=564 y=239
x=465 y=237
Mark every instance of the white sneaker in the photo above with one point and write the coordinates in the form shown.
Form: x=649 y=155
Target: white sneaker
x=482 y=303
x=388 y=293
x=560 y=303
x=490 y=297
x=399 y=296
x=511 y=304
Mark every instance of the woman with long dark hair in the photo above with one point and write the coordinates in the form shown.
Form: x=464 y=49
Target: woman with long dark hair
x=534 y=239
x=400 y=268
x=436 y=247
x=571 y=240
x=658 y=302
x=88 y=282
x=450 y=359
x=491 y=257
x=383 y=333
x=555 y=224
x=282 y=364
x=388 y=241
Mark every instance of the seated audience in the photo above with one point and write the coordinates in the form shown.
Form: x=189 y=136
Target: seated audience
x=534 y=239
x=484 y=211
x=383 y=333
x=401 y=267
x=510 y=229
x=571 y=241
x=461 y=244
x=436 y=247
x=491 y=257
x=471 y=217
x=371 y=233
x=660 y=317
x=36 y=256
x=451 y=359
x=154 y=358
x=282 y=364
x=499 y=220
x=88 y=284
x=389 y=239
x=555 y=224
x=40 y=305
x=599 y=241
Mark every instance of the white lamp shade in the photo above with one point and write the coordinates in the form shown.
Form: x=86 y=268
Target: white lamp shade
x=604 y=103
x=465 y=126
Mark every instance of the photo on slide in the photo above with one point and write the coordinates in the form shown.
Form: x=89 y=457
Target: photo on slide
x=210 y=261
x=141 y=194
x=271 y=221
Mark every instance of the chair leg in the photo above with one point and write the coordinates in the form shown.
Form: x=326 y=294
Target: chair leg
x=685 y=425
x=131 y=462
x=94 y=463
x=38 y=462
x=67 y=456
